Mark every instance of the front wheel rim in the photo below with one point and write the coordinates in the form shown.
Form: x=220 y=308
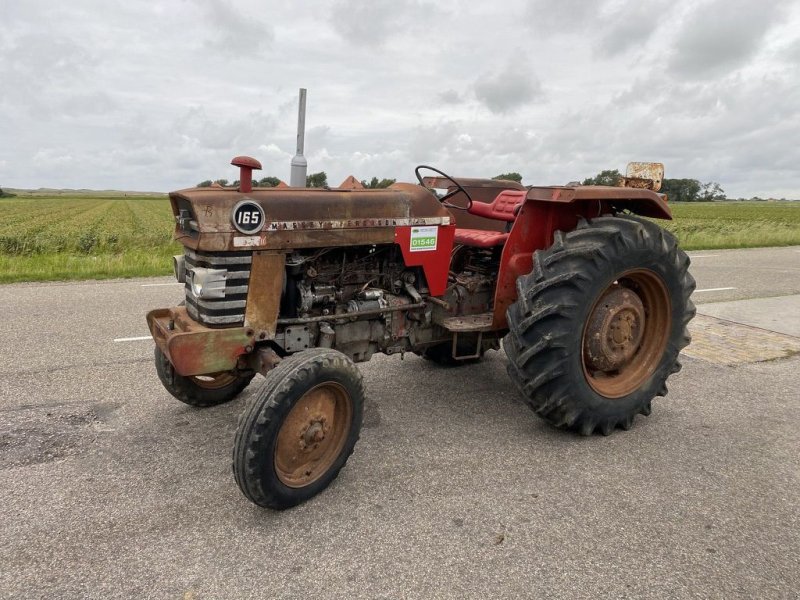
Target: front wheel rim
x=313 y=435
x=626 y=333
x=214 y=382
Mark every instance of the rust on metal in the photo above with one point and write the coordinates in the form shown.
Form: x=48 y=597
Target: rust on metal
x=263 y=360
x=644 y=175
x=194 y=349
x=614 y=330
x=626 y=333
x=215 y=381
x=641 y=201
x=470 y=183
x=313 y=434
x=348 y=316
x=264 y=293
x=469 y=323
x=354 y=217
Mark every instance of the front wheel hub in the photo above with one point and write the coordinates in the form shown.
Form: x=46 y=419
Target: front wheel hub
x=614 y=331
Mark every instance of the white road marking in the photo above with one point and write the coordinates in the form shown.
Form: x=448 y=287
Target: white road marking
x=702 y=255
x=134 y=339
x=160 y=284
x=715 y=289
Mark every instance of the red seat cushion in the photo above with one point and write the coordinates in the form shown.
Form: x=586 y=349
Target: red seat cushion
x=480 y=238
x=503 y=208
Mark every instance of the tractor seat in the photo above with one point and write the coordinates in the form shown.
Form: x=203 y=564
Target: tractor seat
x=480 y=238
x=503 y=208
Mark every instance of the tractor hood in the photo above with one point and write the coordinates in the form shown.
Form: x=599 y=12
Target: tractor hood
x=300 y=217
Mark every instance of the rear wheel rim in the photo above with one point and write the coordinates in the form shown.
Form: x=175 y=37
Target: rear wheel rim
x=313 y=435
x=626 y=333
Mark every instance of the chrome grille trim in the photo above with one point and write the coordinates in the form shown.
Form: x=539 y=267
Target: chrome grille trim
x=230 y=309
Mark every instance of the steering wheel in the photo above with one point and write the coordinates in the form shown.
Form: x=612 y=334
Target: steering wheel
x=448 y=195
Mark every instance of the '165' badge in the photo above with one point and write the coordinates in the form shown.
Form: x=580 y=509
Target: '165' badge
x=248 y=217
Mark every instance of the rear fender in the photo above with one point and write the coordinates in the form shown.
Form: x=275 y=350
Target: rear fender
x=551 y=209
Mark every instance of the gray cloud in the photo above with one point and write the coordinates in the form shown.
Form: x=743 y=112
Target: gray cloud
x=557 y=16
x=508 y=89
x=147 y=95
x=450 y=97
x=233 y=32
x=373 y=22
x=721 y=35
x=630 y=24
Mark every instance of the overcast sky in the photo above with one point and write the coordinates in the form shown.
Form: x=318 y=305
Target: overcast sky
x=155 y=96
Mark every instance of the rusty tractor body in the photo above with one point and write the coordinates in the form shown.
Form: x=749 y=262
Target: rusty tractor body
x=298 y=284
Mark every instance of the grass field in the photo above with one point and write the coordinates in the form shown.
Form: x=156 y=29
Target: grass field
x=99 y=236
x=85 y=237
x=713 y=225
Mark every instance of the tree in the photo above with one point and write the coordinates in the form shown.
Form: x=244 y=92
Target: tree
x=206 y=183
x=268 y=181
x=317 y=180
x=222 y=182
x=513 y=176
x=607 y=177
x=376 y=183
x=681 y=190
x=712 y=192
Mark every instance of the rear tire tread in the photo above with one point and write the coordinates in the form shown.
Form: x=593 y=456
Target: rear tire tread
x=542 y=321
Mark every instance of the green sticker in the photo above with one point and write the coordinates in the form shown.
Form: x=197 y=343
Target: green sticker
x=423 y=239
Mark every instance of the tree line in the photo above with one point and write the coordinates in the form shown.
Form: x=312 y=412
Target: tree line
x=677 y=190
x=313 y=180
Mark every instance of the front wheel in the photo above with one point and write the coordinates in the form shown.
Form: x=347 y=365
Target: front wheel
x=599 y=323
x=300 y=429
x=200 y=391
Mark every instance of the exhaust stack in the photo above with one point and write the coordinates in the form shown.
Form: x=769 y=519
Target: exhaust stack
x=299 y=162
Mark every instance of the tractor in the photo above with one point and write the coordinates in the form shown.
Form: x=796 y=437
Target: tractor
x=588 y=295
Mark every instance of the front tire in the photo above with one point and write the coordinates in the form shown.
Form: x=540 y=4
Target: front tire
x=300 y=429
x=201 y=391
x=599 y=323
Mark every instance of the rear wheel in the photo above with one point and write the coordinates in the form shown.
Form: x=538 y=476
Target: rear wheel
x=300 y=429
x=200 y=391
x=599 y=323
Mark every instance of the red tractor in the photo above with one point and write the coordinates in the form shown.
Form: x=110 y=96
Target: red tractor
x=590 y=300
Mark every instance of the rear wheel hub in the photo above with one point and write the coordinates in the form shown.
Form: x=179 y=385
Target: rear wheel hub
x=626 y=333
x=614 y=331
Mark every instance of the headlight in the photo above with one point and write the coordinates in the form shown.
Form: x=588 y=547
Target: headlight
x=179 y=266
x=207 y=283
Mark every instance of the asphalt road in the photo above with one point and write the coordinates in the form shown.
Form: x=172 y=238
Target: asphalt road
x=110 y=488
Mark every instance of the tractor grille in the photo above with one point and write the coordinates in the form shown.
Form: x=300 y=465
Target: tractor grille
x=228 y=309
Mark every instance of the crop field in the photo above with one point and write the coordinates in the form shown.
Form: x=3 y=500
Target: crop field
x=59 y=237
x=715 y=225
x=89 y=237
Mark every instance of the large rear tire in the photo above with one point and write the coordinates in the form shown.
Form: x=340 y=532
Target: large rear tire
x=300 y=429
x=599 y=323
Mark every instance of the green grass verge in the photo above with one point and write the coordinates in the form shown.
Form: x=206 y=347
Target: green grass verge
x=713 y=226
x=57 y=267
x=102 y=236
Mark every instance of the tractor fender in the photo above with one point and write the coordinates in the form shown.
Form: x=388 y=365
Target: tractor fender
x=547 y=210
x=644 y=202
